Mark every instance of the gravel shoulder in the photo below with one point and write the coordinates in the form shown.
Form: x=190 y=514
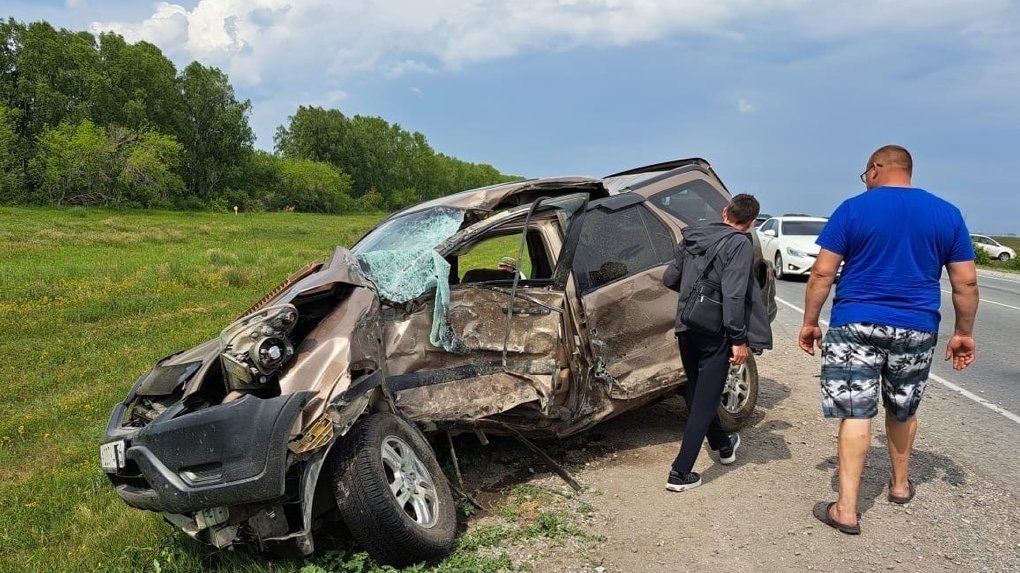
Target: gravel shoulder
x=755 y=515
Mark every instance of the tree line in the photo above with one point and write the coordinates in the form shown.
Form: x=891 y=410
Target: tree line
x=97 y=121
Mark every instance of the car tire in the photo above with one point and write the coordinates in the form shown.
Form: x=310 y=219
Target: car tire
x=1003 y=256
x=779 y=266
x=380 y=454
x=740 y=396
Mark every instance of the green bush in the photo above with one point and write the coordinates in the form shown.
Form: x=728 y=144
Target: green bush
x=192 y=203
x=981 y=256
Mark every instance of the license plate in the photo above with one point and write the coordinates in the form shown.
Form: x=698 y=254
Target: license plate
x=111 y=456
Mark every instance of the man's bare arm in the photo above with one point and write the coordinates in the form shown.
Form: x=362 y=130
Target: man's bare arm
x=961 y=348
x=963 y=277
x=823 y=274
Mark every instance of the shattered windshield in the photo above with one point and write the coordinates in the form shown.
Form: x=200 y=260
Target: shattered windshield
x=431 y=226
x=400 y=257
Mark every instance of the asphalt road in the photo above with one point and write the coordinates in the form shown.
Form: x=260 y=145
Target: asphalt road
x=979 y=406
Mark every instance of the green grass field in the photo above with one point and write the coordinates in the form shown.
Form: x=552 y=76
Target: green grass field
x=89 y=300
x=486 y=255
x=93 y=298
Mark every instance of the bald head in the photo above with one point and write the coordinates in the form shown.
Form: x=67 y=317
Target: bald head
x=889 y=165
x=893 y=156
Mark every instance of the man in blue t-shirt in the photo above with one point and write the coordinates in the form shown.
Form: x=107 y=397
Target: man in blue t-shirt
x=895 y=240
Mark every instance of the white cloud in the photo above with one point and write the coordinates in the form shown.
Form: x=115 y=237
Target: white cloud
x=168 y=28
x=407 y=66
x=252 y=38
x=868 y=16
x=319 y=47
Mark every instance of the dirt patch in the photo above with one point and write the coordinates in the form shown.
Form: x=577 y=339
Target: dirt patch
x=754 y=515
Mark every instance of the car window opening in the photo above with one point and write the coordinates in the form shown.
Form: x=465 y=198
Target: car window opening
x=696 y=202
x=494 y=259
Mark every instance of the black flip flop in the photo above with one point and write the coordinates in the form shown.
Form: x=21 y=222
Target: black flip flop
x=902 y=500
x=822 y=513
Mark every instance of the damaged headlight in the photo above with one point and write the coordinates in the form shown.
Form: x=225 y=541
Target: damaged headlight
x=253 y=349
x=270 y=353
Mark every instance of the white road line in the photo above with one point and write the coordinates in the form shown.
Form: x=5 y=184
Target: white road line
x=799 y=309
x=993 y=407
x=965 y=393
x=986 y=300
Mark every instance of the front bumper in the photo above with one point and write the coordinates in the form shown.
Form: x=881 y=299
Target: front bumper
x=223 y=455
x=794 y=265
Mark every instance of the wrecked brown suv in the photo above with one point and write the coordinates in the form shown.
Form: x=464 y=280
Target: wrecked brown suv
x=318 y=399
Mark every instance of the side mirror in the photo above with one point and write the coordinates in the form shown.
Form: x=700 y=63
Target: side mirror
x=770 y=232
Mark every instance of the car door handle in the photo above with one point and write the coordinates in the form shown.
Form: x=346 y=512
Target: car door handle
x=535 y=309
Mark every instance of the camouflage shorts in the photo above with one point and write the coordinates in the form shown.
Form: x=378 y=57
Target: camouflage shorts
x=857 y=357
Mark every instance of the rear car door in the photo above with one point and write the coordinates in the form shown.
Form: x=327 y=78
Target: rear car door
x=622 y=252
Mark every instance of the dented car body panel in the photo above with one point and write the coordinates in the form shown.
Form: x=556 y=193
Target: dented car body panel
x=631 y=332
x=229 y=439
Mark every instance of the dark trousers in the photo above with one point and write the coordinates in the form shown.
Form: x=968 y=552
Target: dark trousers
x=706 y=361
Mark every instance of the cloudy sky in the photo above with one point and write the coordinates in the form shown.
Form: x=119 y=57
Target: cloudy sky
x=786 y=98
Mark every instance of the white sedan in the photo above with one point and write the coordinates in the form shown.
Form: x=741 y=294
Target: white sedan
x=789 y=243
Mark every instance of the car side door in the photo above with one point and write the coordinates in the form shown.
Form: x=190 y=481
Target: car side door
x=768 y=236
x=628 y=313
x=507 y=347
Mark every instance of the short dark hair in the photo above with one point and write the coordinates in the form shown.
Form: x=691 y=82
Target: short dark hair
x=743 y=208
x=893 y=155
